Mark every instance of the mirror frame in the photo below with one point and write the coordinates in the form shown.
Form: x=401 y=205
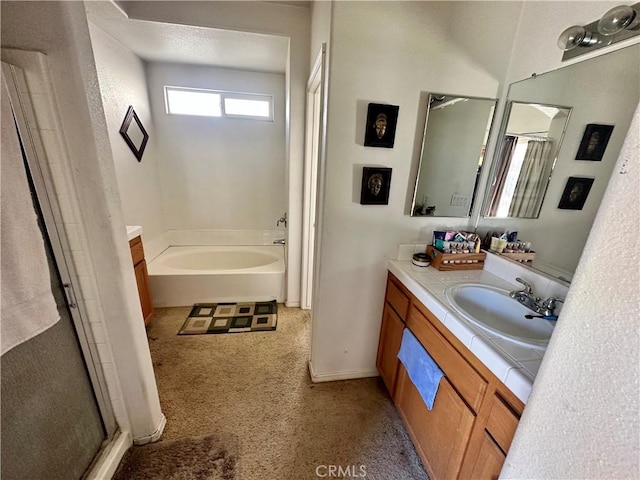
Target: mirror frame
x=478 y=185
x=124 y=131
x=498 y=148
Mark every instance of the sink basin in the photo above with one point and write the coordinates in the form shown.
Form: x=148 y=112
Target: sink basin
x=491 y=309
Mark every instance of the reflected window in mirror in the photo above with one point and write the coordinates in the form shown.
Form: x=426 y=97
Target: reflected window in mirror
x=453 y=146
x=526 y=158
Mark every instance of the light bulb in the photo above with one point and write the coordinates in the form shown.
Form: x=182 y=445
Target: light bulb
x=574 y=37
x=616 y=20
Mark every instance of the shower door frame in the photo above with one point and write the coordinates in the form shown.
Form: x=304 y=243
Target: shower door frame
x=21 y=104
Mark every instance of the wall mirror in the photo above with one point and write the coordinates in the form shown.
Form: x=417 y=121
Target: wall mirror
x=531 y=140
x=455 y=135
x=134 y=133
x=603 y=90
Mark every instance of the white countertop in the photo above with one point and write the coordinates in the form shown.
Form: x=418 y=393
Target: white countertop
x=515 y=365
x=133 y=231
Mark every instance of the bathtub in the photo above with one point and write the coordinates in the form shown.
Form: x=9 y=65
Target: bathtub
x=182 y=276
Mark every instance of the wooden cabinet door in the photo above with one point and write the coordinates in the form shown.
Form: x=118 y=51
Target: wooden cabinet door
x=489 y=461
x=388 y=347
x=142 y=280
x=441 y=434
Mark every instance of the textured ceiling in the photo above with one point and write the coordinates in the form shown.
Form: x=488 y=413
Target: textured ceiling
x=164 y=42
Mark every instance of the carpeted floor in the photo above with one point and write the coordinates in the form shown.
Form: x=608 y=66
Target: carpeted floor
x=210 y=457
x=256 y=387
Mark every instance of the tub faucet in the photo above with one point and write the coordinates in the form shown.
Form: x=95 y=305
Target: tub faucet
x=283 y=219
x=280 y=241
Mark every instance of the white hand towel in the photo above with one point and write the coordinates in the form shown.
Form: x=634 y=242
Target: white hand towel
x=28 y=307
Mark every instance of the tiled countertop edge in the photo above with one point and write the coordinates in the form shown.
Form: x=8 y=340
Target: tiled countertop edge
x=514 y=365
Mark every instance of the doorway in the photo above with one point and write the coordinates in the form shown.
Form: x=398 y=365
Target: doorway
x=313 y=151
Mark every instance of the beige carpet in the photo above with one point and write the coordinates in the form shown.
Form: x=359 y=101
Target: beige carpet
x=211 y=457
x=256 y=386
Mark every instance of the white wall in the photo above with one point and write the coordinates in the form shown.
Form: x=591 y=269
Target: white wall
x=59 y=29
x=320 y=26
x=271 y=18
x=123 y=82
x=452 y=146
x=559 y=235
x=220 y=173
x=416 y=55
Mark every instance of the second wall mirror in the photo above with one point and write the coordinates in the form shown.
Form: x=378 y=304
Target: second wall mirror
x=455 y=137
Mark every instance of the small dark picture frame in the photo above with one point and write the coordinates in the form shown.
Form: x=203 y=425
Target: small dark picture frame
x=134 y=133
x=381 y=125
x=594 y=142
x=376 y=183
x=575 y=193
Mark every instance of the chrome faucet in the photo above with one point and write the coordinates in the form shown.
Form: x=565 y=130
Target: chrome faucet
x=283 y=219
x=280 y=241
x=527 y=298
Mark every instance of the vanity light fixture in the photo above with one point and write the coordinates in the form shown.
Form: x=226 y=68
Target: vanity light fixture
x=619 y=23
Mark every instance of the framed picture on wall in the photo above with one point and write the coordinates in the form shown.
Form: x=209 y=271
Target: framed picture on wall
x=594 y=142
x=376 y=183
x=575 y=193
x=381 y=125
x=134 y=133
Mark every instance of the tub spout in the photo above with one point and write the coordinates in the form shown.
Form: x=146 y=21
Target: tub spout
x=280 y=241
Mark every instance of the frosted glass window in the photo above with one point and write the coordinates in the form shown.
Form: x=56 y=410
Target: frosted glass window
x=214 y=103
x=247 y=108
x=203 y=103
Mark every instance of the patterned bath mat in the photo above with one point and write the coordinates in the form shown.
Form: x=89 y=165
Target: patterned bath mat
x=231 y=318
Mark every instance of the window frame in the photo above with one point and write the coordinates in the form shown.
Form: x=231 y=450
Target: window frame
x=224 y=94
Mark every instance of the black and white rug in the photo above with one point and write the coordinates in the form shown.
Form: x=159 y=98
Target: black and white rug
x=231 y=318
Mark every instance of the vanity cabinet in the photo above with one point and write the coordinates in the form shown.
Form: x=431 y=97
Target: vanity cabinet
x=142 y=278
x=469 y=430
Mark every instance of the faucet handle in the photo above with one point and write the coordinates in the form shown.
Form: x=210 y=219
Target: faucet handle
x=550 y=303
x=527 y=286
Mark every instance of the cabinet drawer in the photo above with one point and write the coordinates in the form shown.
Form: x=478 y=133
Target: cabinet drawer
x=461 y=375
x=502 y=424
x=137 y=252
x=397 y=299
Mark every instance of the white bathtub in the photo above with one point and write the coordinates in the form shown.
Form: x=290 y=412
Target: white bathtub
x=182 y=276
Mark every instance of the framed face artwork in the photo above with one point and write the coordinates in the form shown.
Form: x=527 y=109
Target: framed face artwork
x=381 y=125
x=575 y=193
x=594 y=142
x=376 y=183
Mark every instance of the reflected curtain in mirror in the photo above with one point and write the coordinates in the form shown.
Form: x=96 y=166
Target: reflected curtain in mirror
x=526 y=160
x=532 y=180
x=504 y=162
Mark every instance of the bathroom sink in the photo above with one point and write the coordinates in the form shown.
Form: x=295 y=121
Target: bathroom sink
x=491 y=309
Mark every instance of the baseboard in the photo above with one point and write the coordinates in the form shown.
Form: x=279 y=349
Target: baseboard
x=107 y=462
x=331 y=377
x=155 y=436
x=292 y=304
